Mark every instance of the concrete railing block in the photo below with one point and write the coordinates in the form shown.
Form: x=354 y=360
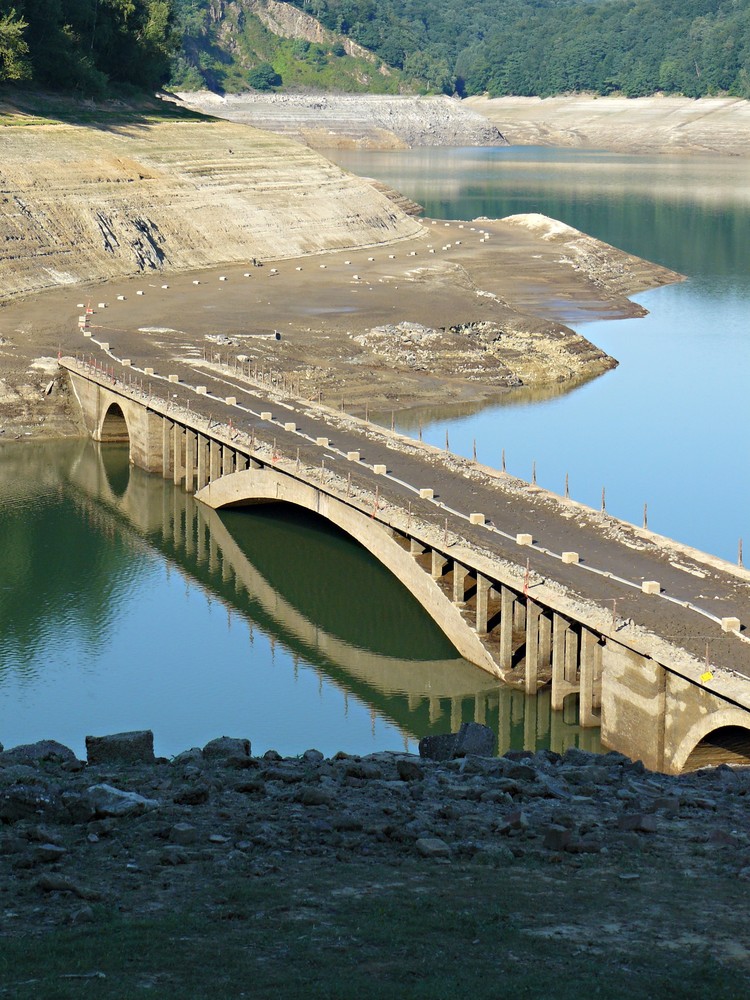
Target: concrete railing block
x=730 y=624
x=139 y=292
x=231 y=400
x=476 y=519
x=120 y=298
x=148 y=371
x=379 y=470
x=102 y=305
x=196 y=282
x=173 y=378
x=87 y=333
x=201 y=390
x=126 y=363
x=651 y=587
x=266 y=415
x=524 y=539
x=323 y=442
x=104 y=345
x=426 y=494
x=570 y=557
x=353 y=456
x=290 y=426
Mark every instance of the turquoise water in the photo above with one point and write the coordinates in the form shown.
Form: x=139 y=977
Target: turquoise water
x=668 y=427
x=124 y=604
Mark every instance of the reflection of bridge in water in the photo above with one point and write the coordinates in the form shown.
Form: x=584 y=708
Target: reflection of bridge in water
x=661 y=682
x=418 y=696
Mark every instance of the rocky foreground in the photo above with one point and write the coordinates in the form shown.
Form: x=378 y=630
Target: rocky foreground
x=126 y=831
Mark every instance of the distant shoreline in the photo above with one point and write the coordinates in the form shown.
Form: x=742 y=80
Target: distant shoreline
x=709 y=125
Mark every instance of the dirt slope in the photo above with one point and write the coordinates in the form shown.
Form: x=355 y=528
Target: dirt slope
x=88 y=203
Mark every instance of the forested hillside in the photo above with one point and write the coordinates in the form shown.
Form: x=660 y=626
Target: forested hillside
x=543 y=47
x=523 y=47
x=86 y=45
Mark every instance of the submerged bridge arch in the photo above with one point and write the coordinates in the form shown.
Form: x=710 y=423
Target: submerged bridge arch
x=252 y=486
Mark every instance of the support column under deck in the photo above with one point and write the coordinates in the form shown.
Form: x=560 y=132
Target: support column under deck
x=507 y=600
x=531 y=673
x=483 y=596
x=176 y=454
x=590 y=653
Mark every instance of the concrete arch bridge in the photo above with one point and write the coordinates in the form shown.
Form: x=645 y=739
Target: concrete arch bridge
x=525 y=614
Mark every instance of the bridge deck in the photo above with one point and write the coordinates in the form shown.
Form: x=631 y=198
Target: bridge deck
x=615 y=558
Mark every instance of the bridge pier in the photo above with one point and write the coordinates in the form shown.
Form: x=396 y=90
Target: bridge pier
x=177 y=449
x=202 y=462
x=507 y=601
x=459 y=582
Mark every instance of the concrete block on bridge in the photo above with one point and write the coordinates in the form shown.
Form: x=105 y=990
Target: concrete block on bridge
x=379 y=470
x=730 y=624
x=476 y=519
x=126 y=363
x=524 y=539
x=323 y=442
x=353 y=456
x=266 y=415
x=426 y=494
x=290 y=426
x=148 y=371
x=651 y=587
x=231 y=400
x=173 y=378
x=201 y=390
x=571 y=558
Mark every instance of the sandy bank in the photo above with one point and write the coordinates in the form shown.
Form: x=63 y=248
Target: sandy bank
x=641 y=125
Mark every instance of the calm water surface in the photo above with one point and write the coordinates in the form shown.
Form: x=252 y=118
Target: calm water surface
x=124 y=605
x=669 y=426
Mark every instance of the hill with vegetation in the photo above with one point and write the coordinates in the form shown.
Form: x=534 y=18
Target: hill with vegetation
x=501 y=47
x=87 y=45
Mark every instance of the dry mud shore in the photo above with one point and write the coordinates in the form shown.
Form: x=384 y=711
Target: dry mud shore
x=348 y=121
x=146 y=214
x=719 y=125
x=609 y=861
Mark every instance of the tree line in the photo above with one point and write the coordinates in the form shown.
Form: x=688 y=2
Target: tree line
x=87 y=45
x=521 y=47
x=545 y=47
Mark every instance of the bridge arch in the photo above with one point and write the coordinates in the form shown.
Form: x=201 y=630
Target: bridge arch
x=719 y=729
x=113 y=426
x=267 y=486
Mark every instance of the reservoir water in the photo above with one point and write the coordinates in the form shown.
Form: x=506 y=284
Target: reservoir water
x=124 y=605
x=669 y=426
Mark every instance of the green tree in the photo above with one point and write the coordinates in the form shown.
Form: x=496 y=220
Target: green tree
x=14 y=63
x=264 y=77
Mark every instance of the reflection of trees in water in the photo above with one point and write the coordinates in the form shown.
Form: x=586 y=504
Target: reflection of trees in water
x=64 y=564
x=334 y=582
x=76 y=537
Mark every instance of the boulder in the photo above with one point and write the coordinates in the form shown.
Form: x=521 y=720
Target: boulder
x=471 y=738
x=36 y=753
x=109 y=801
x=474 y=738
x=226 y=747
x=121 y=748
